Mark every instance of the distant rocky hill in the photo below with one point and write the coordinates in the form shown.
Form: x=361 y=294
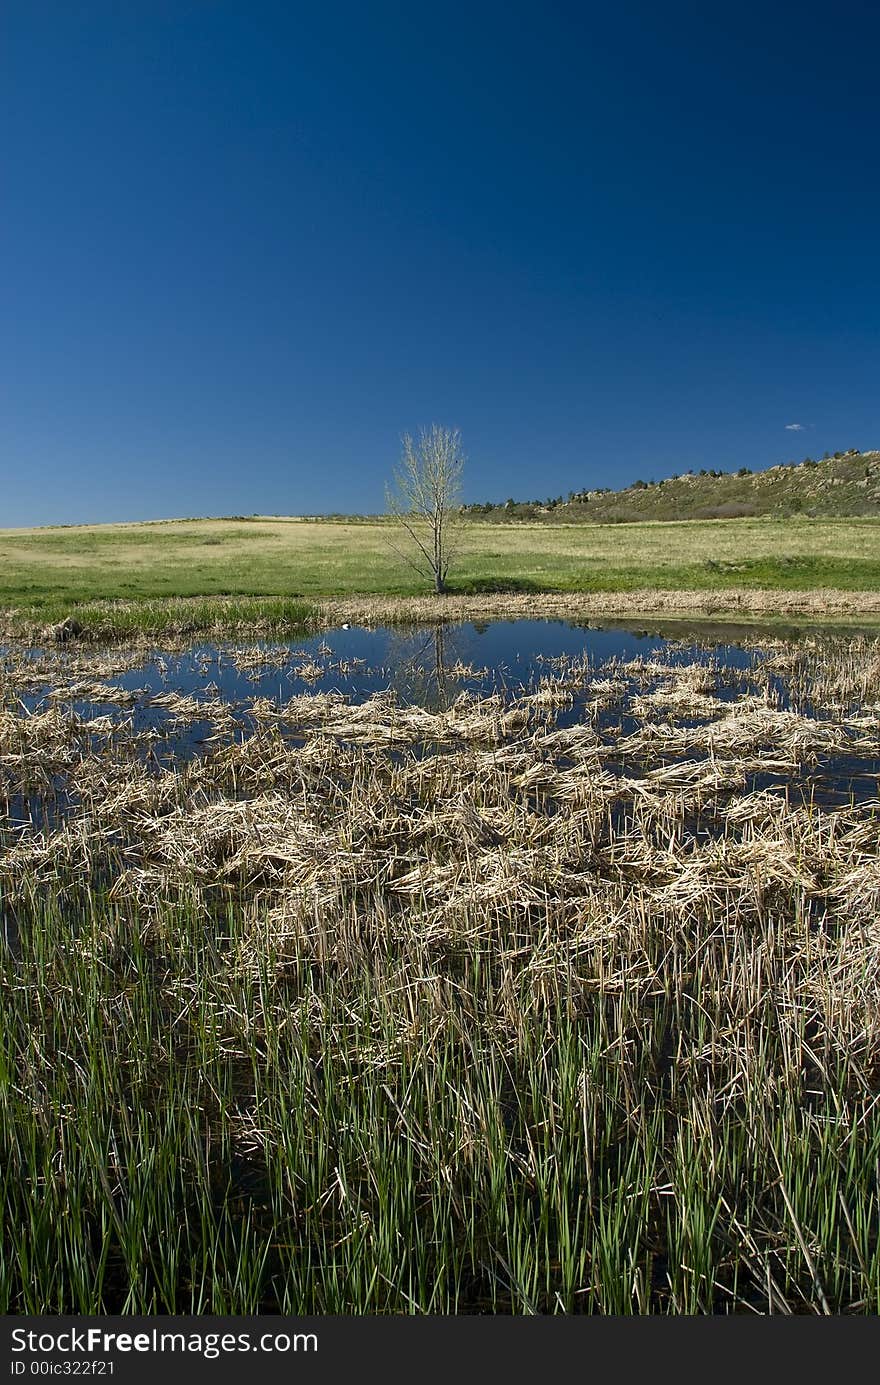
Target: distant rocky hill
x=846 y=484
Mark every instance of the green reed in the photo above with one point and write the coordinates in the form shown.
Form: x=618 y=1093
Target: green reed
x=180 y=1134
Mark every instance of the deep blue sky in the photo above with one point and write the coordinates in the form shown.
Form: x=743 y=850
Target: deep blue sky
x=246 y=245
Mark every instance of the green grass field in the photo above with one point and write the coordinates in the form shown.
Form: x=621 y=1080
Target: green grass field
x=48 y=571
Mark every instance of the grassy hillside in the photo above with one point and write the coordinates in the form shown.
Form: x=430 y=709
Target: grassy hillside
x=845 y=485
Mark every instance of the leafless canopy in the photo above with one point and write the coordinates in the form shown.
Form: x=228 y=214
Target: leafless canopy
x=424 y=502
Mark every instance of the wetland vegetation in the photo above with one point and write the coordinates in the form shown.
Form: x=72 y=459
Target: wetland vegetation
x=552 y=989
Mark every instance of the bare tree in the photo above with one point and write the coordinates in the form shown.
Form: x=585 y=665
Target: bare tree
x=424 y=502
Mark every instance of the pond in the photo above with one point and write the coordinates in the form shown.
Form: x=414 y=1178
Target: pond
x=428 y=666
x=425 y=666
x=169 y=707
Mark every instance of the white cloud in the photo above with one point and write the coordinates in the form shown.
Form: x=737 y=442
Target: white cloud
x=794 y=427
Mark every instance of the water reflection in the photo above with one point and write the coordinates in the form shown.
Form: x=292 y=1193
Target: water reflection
x=174 y=706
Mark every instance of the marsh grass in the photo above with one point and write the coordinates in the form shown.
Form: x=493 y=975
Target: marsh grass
x=260 y=615
x=168 y=617
x=381 y=1010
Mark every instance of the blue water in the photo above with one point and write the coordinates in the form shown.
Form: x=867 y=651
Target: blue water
x=420 y=665
x=429 y=666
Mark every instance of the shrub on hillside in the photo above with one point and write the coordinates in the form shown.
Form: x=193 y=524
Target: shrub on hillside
x=728 y=509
